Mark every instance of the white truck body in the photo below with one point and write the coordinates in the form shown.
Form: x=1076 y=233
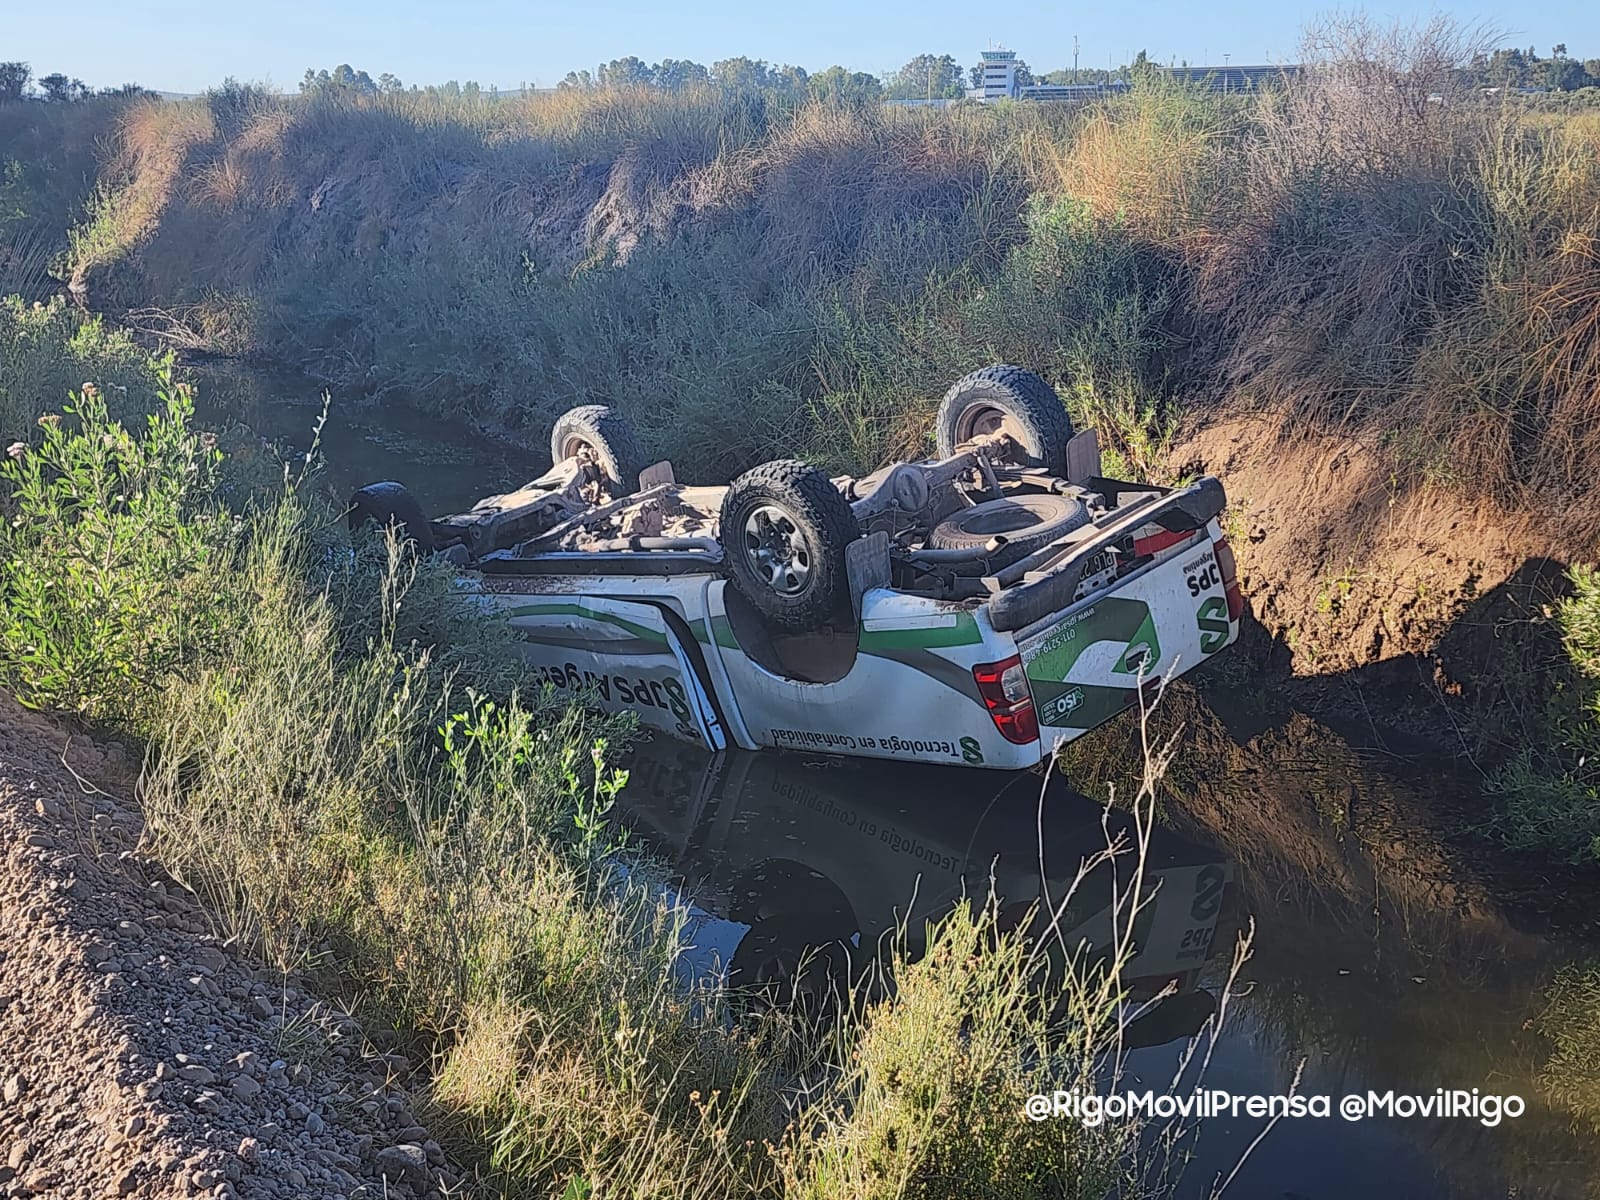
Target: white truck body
x=666 y=647
x=977 y=608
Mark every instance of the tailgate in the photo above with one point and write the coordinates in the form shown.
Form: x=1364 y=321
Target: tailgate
x=1084 y=665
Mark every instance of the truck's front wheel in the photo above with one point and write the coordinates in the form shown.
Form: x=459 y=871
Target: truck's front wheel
x=602 y=436
x=1011 y=401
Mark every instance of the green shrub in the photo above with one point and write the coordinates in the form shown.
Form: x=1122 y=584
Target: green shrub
x=1549 y=794
x=1571 y=1020
x=1580 y=620
x=109 y=557
x=48 y=351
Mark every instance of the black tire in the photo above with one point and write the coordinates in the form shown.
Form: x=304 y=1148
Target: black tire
x=1028 y=523
x=391 y=503
x=784 y=528
x=607 y=436
x=1010 y=400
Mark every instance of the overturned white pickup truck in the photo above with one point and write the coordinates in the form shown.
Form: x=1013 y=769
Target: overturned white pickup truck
x=977 y=608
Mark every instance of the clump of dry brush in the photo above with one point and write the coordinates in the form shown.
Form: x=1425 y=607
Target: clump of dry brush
x=1374 y=248
x=1417 y=264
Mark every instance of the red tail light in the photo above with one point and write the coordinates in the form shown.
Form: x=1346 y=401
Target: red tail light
x=1004 y=688
x=1230 y=578
x=1155 y=543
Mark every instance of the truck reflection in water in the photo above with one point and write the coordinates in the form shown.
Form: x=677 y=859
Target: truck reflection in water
x=801 y=870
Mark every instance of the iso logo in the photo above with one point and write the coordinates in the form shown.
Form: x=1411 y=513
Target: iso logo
x=1065 y=703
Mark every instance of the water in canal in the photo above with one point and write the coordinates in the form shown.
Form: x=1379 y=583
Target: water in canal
x=1382 y=959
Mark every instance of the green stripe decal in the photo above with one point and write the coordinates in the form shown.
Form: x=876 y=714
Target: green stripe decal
x=964 y=632
x=722 y=630
x=578 y=610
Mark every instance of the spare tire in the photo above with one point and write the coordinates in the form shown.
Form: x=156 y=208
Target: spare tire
x=1027 y=523
x=1006 y=400
x=784 y=527
x=389 y=503
x=606 y=437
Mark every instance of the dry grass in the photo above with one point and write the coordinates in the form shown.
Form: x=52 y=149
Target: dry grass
x=1158 y=160
x=1365 y=250
x=155 y=142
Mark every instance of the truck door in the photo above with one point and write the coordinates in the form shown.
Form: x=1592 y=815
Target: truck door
x=619 y=656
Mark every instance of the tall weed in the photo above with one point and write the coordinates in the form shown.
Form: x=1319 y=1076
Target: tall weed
x=1549 y=794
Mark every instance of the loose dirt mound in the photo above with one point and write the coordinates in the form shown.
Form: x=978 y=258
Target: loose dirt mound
x=141 y=1057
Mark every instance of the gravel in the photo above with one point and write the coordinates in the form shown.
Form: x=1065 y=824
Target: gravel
x=142 y=1057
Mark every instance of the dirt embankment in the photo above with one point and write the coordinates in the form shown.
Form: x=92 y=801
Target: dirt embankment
x=142 y=1056
x=1396 y=610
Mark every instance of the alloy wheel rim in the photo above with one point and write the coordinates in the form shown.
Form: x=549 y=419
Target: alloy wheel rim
x=986 y=420
x=777 y=551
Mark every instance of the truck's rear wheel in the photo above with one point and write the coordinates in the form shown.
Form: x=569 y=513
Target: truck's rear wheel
x=604 y=436
x=389 y=503
x=784 y=528
x=1011 y=401
x=1027 y=523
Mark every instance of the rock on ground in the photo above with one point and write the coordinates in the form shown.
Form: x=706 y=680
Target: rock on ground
x=142 y=1057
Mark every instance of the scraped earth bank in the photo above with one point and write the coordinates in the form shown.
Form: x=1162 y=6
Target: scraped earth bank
x=1416 y=609
x=139 y=1056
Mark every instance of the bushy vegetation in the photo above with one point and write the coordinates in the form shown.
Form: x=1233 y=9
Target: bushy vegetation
x=47 y=351
x=338 y=758
x=748 y=276
x=1571 y=1021
x=109 y=564
x=1550 y=792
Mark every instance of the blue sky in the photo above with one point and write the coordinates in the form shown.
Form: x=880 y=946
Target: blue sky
x=187 y=45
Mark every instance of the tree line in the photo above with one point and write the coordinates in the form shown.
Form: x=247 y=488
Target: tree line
x=18 y=83
x=1525 y=69
x=733 y=75
x=925 y=77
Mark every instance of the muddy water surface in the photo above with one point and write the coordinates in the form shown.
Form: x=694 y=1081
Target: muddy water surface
x=1355 y=982
x=1383 y=960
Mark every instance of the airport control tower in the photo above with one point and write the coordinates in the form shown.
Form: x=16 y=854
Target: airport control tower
x=999 y=76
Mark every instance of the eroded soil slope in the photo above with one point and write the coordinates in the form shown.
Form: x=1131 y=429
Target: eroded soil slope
x=1435 y=611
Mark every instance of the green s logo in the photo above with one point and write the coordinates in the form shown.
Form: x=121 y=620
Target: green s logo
x=970 y=750
x=1214 y=627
